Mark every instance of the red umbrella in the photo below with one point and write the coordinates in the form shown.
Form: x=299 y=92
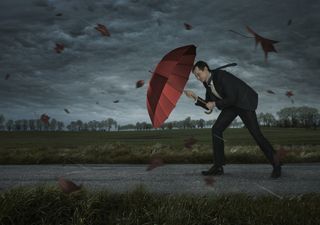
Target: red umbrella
x=168 y=81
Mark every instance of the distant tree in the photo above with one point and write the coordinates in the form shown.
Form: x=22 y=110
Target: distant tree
x=53 y=124
x=79 y=124
x=138 y=126
x=269 y=120
x=39 y=124
x=110 y=122
x=18 y=125
x=2 y=119
x=60 y=125
x=9 y=125
x=25 y=124
x=209 y=123
x=187 y=122
x=32 y=124
x=260 y=118
x=201 y=123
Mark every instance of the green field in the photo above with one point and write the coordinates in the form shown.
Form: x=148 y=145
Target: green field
x=139 y=146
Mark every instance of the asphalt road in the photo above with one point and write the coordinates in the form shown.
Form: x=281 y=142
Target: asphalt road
x=171 y=178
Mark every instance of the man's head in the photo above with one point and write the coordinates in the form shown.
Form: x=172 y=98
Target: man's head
x=201 y=71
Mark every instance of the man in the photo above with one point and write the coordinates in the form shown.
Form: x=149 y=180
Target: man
x=234 y=98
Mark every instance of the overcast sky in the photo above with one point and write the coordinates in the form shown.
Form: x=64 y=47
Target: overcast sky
x=98 y=68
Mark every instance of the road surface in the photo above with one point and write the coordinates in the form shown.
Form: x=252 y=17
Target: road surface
x=171 y=178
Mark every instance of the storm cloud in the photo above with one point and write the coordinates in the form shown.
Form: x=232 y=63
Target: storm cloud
x=95 y=68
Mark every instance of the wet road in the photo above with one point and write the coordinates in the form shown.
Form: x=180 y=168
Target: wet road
x=171 y=178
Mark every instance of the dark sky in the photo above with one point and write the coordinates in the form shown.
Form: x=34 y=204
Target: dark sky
x=142 y=32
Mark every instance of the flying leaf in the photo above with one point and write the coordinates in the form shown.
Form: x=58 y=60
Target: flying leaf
x=102 y=29
x=139 y=83
x=59 y=14
x=270 y=92
x=97 y=103
x=187 y=26
x=289 y=94
x=45 y=118
x=289 y=22
x=266 y=44
x=59 y=48
x=67 y=186
x=115 y=101
x=66 y=110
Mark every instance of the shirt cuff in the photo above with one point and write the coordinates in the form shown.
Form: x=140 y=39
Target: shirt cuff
x=196 y=100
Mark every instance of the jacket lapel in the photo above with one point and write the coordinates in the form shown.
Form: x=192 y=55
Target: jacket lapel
x=215 y=79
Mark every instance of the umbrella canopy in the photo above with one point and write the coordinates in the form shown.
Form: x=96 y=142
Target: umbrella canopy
x=168 y=81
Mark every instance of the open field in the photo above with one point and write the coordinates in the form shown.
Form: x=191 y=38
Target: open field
x=139 y=146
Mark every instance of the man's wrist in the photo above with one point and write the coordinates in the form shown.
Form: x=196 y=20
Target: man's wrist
x=195 y=98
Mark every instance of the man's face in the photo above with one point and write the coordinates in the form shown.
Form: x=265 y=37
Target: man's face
x=201 y=75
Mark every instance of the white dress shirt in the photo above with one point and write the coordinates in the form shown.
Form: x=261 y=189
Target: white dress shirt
x=213 y=89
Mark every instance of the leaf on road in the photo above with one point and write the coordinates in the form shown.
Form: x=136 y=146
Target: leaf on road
x=154 y=163
x=67 y=186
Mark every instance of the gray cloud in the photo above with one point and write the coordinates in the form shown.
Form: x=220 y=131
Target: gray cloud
x=96 y=68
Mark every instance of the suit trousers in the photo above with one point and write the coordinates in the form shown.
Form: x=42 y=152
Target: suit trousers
x=249 y=118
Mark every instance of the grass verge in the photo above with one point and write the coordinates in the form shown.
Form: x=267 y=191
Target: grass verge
x=47 y=205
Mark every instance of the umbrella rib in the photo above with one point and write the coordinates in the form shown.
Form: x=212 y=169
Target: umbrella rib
x=179 y=75
x=173 y=104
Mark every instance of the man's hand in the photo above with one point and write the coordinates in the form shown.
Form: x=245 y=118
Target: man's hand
x=190 y=94
x=211 y=105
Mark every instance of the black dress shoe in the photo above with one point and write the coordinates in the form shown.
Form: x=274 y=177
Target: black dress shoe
x=214 y=170
x=276 y=172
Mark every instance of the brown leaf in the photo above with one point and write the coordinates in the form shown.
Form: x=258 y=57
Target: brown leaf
x=103 y=30
x=266 y=44
x=45 y=118
x=154 y=163
x=289 y=94
x=59 y=48
x=67 y=186
x=139 y=83
x=187 y=26
x=270 y=92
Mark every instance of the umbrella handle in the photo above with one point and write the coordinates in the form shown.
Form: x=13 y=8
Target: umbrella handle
x=207 y=112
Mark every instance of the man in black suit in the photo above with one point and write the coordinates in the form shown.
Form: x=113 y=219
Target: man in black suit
x=234 y=98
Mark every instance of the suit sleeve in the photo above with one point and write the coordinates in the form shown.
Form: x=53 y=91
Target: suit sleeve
x=230 y=92
x=200 y=101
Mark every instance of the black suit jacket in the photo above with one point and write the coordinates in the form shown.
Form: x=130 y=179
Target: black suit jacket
x=234 y=92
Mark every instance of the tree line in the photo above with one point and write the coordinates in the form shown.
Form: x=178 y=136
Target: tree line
x=307 y=117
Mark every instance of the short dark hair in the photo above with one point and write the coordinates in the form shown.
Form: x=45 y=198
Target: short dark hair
x=200 y=64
